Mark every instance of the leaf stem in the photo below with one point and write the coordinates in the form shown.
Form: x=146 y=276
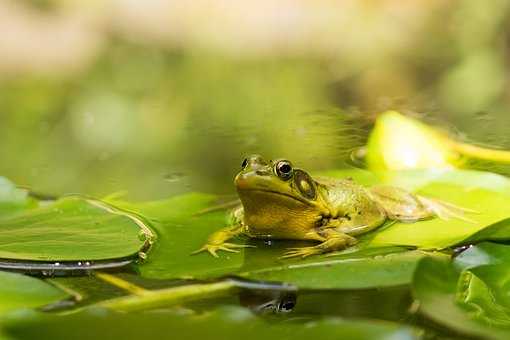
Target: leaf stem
x=122 y=284
x=474 y=151
x=170 y=296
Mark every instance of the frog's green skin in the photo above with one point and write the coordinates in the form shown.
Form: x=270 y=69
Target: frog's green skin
x=282 y=202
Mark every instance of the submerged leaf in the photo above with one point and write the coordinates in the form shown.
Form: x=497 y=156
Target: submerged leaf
x=224 y=323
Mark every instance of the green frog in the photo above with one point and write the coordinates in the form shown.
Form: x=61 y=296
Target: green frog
x=280 y=201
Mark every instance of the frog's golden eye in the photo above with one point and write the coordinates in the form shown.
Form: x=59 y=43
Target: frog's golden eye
x=305 y=184
x=284 y=170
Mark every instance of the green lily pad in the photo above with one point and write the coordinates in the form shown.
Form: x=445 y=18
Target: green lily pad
x=20 y=291
x=367 y=268
x=71 y=229
x=181 y=229
x=483 y=254
x=224 y=323
x=472 y=302
x=438 y=233
x=499 y=231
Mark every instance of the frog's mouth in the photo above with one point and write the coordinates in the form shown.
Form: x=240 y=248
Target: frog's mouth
x=274 y=192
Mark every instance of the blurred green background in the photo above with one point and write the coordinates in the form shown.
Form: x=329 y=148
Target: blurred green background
x=160 y=97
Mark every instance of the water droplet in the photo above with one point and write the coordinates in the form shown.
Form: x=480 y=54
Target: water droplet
x=174 y=177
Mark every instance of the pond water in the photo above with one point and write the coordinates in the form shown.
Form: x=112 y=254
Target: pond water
x=148 y=116
x=99 y=141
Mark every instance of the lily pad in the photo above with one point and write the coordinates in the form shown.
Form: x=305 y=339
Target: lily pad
x=483 y=254
x=20 y=291
x=71 y=229
x=182 y=228
x=224 y=323
x=181 y=231
x=486 y=194
x=379 y=268
x=473 y=301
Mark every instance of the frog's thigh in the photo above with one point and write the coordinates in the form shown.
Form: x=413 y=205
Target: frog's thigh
x=332 y=240
x=355 y=226
x=399 y=204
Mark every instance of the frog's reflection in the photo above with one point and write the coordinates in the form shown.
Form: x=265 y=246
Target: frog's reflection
x=267 y=302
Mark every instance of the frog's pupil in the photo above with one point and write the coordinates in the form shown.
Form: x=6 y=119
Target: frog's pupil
x=285 y=168
x=245 y=163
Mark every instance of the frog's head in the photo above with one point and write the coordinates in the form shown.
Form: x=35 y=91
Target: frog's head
x=274 y=192
x=278 y=180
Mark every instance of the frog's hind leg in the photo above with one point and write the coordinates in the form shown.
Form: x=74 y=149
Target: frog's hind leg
x=445 y=210
x=404 y=206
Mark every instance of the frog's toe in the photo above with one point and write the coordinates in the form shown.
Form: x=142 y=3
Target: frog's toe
x=228 y=249
x=300 y=252
x=234 y=245
x=213 y=248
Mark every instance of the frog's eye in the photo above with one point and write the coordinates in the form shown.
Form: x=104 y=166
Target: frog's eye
x=284 y=170
x=244 y=164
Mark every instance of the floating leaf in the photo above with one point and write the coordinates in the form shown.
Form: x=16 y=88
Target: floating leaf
x=224 y=323
x=358 y=270
x=181 y=231
x=477 y=191
x=482 y=254
x=20 y=291
x=473 y=301
x=71 y=229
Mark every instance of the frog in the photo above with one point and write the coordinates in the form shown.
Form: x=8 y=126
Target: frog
x=281 y=201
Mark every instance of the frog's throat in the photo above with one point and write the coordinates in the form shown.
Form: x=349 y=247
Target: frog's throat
x=273 y=192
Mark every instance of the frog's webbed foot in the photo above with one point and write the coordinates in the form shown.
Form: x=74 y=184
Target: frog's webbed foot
x=337 y=242
x=213 y=248
x=301 y=252
x=447 y=211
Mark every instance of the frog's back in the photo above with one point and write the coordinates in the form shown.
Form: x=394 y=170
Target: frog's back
x=345 y=194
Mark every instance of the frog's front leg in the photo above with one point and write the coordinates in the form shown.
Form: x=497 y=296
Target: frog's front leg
x=218 y=240
x=331 y=238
